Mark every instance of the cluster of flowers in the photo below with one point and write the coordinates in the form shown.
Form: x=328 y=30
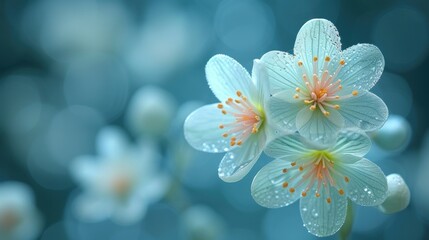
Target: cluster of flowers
x=311 y=112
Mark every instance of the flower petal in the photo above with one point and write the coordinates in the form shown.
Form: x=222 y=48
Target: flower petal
x=320 y=217
x=351 y=142
x=269 y=188
x=261 y=81
x=129 y=212
x=283 y=110
x=283 y=71
x=237 y=163
x=367 y=184
x=287 y=146
x=364 y=66
x=317 y=127
x=226 y=76
x=202 y=129
x=317 y=38
x=366 y=111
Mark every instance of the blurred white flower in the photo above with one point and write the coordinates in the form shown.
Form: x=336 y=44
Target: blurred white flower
x=72 y=29
x=150 y=112
x=120 y=183
x=19 y=218
x=168 y=40
x=202 y=223
x=398 y=195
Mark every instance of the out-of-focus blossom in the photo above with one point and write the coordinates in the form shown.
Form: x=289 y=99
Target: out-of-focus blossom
x=120 y=183
x=71 y=30
x=323 y=178
x=19 y=218
x=398 y=195
x=394 y=135
x=150 y=112
x=237 y=125
x=167 y=41
x=321 y=89
x=202 y=223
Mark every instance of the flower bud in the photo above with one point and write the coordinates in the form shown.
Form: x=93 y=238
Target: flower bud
x=398 y=195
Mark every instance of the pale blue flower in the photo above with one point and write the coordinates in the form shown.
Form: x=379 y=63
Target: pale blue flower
x=19 y=218
x=237 y=125
x=322 y=177
x=121 y=182
x=321 y=89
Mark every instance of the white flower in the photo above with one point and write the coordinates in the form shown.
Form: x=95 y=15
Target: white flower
x=322 y=177
x=320 y=89
x=398 y=195
x=19 y=218
x=120 y=183
x=237 y=125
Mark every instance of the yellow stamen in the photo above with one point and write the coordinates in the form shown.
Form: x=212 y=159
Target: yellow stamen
x=328 y=200
x=355 y=93
x=239 y=93
x=221 y=126
x=303 y=194
x=285 y=184
x=342 y=62
x=327 y=58
x=341 y=192
x=224 y=112
x=315 y=58
x=292 y=190
x=317 y=194
x=220 y=106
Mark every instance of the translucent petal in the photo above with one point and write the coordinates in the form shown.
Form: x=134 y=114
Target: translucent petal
x=351 y=142
x=317 y=38
x=367 y=184
x=261 y=81
x=85 y=170
x=130 y=212
x=320 y=217
x=364 y=66
x=317 y=127
x=202 y=129
x=283 y=71
x=93 y=208
x=283 y=109
x=365 y=111
x=287 y=146
x=226 y=76
x=237 y=163
x=268 y=187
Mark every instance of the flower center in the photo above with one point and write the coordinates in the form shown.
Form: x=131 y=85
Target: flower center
x=121 y=186
x=321 y=91
x=247 y=119
x=8 y=220
x=318 y=170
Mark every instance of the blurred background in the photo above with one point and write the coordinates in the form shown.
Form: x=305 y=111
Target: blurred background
x=83 y=82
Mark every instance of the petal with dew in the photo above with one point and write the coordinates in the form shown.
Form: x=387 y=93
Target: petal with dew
x=366 y=111
x=261 y=81
x=283 y=109
x=351 y=142
x=317 y=38
x=283 y=71
x=274 y=186
x=237 y=163
x=202 y=129
x=323 y=215
x=317 y=127
x=363 y=68
x=226 y=76
x=367 y=184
